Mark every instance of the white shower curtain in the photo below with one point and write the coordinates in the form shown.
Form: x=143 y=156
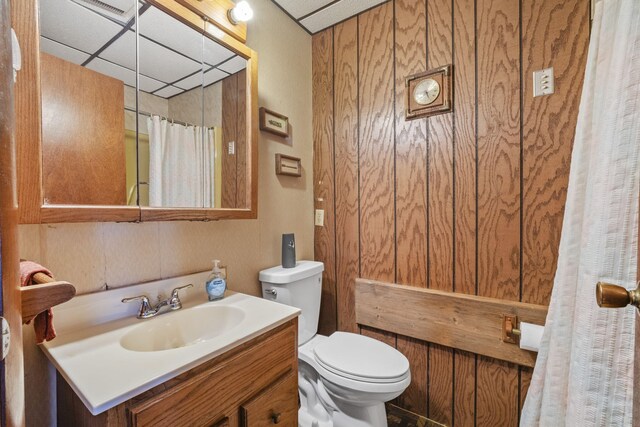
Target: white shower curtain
x=180 y=164
x=584 y=372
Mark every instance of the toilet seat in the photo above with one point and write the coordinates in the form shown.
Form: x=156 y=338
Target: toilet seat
x=361 y=358
x=357 y=362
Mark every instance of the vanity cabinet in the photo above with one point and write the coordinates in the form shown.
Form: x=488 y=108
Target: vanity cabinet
x=254 y=384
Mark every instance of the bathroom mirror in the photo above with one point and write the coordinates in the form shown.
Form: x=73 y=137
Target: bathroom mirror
x=148 y=113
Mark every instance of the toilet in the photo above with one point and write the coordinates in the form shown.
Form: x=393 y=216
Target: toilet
x=343 y=379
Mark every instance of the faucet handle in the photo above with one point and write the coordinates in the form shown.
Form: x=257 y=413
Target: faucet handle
x=174 y=301
x=145 y=307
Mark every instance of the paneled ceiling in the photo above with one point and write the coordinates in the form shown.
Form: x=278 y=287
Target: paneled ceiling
x=316 y=15
x=101 y=35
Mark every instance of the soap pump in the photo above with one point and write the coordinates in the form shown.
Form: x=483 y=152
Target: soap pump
x=215 y=284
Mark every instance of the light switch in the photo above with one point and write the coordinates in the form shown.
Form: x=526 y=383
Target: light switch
x=543 y=82
x=320 y=217
x=232 y=147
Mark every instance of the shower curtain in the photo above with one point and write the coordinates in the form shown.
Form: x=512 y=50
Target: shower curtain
x=584 y=372
x=181 y=164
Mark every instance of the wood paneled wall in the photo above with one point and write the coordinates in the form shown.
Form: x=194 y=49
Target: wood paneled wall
x=469 y=202
x=234 y=166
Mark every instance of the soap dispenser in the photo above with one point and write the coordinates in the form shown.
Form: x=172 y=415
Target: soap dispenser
x=215 y=284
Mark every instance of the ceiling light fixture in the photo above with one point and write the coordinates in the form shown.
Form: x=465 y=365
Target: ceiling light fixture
x=241 y=12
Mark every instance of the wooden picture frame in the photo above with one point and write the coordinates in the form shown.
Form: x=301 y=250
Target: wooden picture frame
x=275 y=123
x=288 y=165
x=443 y=103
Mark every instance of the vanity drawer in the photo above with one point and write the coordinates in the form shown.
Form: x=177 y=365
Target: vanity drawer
x=217 y=391
x=276 y=405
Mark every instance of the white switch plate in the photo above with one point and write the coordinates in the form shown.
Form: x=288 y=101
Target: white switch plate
x=319 y=217
x=232 y=147
x=543 y=82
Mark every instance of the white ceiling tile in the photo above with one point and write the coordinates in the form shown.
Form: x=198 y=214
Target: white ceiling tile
x=213 y=76
x=215 y=53
x=76 y=26
x=62 y=51
x=170 y=32
x=122 y=51
x=168 y=92
x=298 y=8
x=337 y=12
x=149 y=85
x=234 y=65
x=190 y=82
x=155 y=61
x=113 y=70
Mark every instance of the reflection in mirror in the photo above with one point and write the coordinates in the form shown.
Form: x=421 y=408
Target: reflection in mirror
x=162 y=127
x=85 y=71
x=225 y=107
x=172 y=140
x=185 y=130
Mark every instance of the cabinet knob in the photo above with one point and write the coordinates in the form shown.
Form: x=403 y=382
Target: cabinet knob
x=275 y=418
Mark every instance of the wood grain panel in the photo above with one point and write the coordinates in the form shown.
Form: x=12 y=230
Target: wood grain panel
x=464 y=408
x=465 y=214
x=242 y=200
x=28 y=113
x=376 y=160
x=548 y=130
x=414 y=398
x=498 y=191
x=464 y=135
x=440 y=172
x=411 y=186
x=83 y=158
x=411 y=147
x=346 y=170
x=498 y=149
x=497 y=393
x=478 y=162
x=229 y=134
x=323 y=172
x=467 y=322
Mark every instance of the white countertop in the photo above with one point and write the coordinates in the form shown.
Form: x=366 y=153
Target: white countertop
x=88 y=354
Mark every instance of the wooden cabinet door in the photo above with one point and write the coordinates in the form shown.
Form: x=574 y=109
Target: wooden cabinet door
x=275 y=405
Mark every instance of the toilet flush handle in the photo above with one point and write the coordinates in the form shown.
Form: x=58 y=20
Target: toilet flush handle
x=271 y=292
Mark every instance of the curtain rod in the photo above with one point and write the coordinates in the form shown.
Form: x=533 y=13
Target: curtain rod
x=178 y=122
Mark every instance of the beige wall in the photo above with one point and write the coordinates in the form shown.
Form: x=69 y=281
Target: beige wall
x=98 y=256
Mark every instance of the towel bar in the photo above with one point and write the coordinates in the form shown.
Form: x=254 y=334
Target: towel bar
x=46 y=293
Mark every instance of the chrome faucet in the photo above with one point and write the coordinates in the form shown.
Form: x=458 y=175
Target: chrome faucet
x=146 y=310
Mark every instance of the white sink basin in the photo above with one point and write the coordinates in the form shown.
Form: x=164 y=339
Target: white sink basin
x=134 y=355
x=182 y=328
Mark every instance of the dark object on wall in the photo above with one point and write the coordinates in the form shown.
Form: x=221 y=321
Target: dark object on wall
x=429 y=93
x=288 y=250
x=288 y=165
x=273 y=122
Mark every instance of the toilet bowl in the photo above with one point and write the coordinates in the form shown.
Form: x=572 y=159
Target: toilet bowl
x=343 y=379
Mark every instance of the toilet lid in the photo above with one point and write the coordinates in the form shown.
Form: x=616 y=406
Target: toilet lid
x=361 y=358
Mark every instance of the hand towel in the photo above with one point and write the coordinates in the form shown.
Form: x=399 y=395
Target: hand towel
x=43 y=322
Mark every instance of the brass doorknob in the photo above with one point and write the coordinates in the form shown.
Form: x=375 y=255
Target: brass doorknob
x=614 y=296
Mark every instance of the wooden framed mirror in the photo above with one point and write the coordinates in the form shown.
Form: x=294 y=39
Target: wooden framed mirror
x=145 y=111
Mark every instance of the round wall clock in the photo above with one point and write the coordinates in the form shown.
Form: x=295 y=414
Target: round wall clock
x=426 y=92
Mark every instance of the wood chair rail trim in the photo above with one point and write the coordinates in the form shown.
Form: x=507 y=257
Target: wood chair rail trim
x=466 y=322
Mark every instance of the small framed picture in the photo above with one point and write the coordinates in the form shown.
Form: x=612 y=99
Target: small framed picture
x=273 y=122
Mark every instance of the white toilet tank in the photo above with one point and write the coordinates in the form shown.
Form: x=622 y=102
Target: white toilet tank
x=301 y=287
